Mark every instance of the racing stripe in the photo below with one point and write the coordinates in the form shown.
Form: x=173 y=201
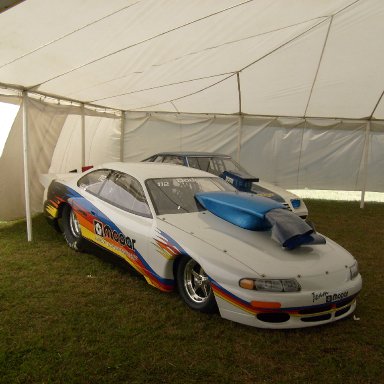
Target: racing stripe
x=87 y=214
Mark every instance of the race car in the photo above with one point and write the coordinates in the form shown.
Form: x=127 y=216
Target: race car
x=232 y=172
x=247 y=256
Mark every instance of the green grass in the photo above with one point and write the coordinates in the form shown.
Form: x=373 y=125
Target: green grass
x=67 y=317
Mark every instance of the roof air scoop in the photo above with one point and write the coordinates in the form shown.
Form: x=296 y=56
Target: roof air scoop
x=241 y=181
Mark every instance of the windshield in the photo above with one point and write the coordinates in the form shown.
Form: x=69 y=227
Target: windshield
x=177 y=195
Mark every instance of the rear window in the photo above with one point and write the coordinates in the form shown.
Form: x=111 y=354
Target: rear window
x=93 y=181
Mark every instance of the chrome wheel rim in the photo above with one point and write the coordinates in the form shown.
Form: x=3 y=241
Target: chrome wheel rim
x=74 y=224
x=196 y=282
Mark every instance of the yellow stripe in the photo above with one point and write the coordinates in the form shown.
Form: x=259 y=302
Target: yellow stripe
x=52 y=211
x=324 y=312
x=86 y=233
x=235 y=303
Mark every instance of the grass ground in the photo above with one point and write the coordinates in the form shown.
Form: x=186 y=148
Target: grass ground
x=67 y=317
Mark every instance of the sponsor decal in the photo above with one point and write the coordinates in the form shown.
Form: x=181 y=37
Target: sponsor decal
x=336 y=297
x=329 y=297
x=185 y=180
x=318 y=295
x=105 y=231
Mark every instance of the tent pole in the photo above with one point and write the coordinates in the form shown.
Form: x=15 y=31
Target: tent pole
x=82 y=135
x=240 y=119
x=26 y=166
x=122 y=136
x=365 y=163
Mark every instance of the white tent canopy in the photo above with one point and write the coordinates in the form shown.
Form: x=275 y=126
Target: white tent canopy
x=292 y=88
x=294 y=58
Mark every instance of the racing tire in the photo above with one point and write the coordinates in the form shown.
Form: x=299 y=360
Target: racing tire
x=194 y=286
x=71 y=230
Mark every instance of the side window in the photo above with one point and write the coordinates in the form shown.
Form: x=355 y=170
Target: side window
x=204 y=163
x=173 y=160
x=193 y=162
x=158 y=159
x=125 y=192
x=217 y=166
x=93 y=181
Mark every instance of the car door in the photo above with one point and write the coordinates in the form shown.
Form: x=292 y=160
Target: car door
x=122 y=219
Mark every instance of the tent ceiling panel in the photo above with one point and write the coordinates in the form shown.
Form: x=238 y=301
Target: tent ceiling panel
x=153 y=97
x=127 y=24
x=213 y=98
x=161 y=54
x=281 y=83
x=34 y=24
x=379 y=111
x=120 y=74
x=350 y=80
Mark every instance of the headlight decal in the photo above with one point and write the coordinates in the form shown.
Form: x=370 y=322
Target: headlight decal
x=270 y=285
x=354 y=270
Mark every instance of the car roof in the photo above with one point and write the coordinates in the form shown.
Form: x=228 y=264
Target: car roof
x=144 y=171
x=192 y=154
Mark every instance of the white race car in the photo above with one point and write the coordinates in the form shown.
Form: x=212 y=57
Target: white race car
x=248 y=256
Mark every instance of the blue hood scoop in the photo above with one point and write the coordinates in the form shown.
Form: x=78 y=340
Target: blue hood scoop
x=242 y=209
x=259 y=214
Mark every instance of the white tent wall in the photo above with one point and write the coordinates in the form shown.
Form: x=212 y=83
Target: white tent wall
x=297 y=153
x=375 y=177
x=290 y=152
x=44 y=125
x=146 y=134
x=47 y=152
x=293 y=153
x=102 y=143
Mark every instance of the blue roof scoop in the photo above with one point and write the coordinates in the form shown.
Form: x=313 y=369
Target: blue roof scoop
x=241 y=181
x=259 y=214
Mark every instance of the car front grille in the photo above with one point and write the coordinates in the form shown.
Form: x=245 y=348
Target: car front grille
x=308 y=315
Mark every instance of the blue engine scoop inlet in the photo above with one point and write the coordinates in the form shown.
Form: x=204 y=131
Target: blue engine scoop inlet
x=242 y=209
x=256 y=213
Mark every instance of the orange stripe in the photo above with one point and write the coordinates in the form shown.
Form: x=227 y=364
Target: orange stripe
x=265 y=304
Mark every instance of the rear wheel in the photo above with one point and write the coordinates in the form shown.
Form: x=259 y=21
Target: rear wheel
x=194 y=286
x=71 y=229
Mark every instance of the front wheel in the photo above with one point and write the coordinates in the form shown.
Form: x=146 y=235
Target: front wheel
x=194 y=286
x=71 y=229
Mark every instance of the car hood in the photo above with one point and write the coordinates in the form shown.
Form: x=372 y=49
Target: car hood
x=273 y=188
x=254 y=249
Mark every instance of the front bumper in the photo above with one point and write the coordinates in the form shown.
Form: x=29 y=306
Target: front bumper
x=288 y=310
